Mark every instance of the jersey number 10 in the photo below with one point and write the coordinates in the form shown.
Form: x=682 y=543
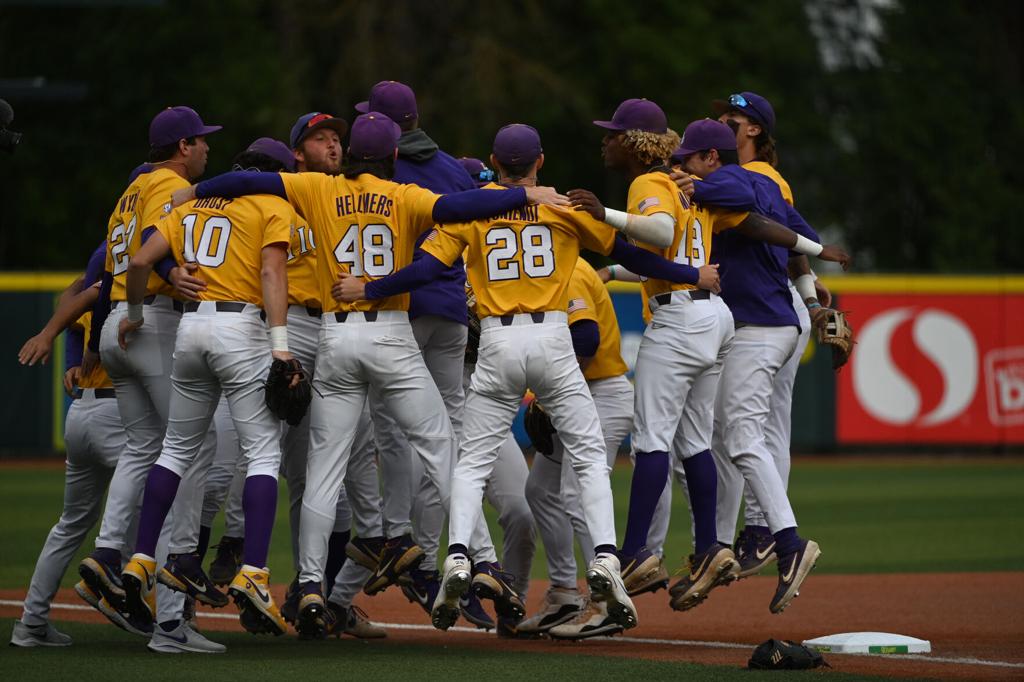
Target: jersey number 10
x=213 y=240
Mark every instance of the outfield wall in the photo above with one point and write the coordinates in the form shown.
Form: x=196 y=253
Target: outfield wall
x=940 y=362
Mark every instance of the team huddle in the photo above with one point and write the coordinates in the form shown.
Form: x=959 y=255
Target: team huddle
x=412 y=300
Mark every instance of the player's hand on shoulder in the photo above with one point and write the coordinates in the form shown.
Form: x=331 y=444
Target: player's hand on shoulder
x=546 y=195
x=183 y=195
x=185 y=284
x=709 y=279
x=124 y=328
x=605 y=275
x=71 y=379
x=585 y=200
x=90 y=361
x=348 y=288
x=836 y=254
x=36 y=349
x=684 y=181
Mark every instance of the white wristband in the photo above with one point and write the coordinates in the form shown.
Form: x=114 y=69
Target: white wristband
x=805 y=287
x=616 y=219
x=134 y=312
x=806 y=246
x=279 y=338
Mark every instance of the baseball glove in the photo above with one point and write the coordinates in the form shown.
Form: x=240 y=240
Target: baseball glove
x=837 y=334
x=780 y=654
x=539 y=428
x=288 y=403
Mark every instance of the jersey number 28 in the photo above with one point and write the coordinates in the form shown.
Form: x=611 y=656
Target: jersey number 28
x=533 y=245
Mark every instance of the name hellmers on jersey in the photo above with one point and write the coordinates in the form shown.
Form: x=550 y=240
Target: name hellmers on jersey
x=216 y=203
x=523 y=213
x=371 y=202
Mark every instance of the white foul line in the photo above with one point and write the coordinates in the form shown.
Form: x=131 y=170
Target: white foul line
x=631 y=640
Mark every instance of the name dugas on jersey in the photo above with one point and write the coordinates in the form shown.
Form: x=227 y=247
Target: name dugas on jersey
x=225 y=239
x=365 y=226
x=695 y=226
x=142 y=204
x=522 y=261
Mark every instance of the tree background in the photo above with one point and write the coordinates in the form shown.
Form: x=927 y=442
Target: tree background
x=898 y=120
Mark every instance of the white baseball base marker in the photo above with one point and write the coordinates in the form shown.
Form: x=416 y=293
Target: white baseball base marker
x=869 y=643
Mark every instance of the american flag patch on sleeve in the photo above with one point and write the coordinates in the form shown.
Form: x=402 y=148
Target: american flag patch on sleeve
x=432 y=236
x=576 y=305
x=648 y=202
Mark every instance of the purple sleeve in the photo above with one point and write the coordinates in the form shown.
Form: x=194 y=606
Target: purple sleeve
x=643 y=262
x=477 y=203
x=796 y=222
x=163 y=266
x=421 y=272
x=586 y=337
x=725 y=189
x=94 y=270
x=241 y=183
x=74 y=340
x=100 y=310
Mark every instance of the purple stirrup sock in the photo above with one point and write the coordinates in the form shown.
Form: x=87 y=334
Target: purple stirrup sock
x=649 y=476
x=259 y=502
x=161 y=488
x=204 y=541
x=702 y=483
x=335 y=559
x=786 y=542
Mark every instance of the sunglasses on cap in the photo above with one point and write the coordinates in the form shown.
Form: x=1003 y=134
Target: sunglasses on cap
x=738 y=101
x=486 y=175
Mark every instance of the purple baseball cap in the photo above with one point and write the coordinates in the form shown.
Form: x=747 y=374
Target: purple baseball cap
x=751 y=104
x=637 y=114
x=374 y=136
x=477 y=170
x=395 y=100
x=315 y=120
x=706 y=133
x=516 y=144
x=177 y=123
x=276 y=150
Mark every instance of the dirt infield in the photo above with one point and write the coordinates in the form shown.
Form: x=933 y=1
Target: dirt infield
x=964 y=615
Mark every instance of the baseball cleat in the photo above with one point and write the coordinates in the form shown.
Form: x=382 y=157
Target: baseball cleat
x=257 y=612
x=455 y=582
x=43 y=634
x=139 y=580
x=560 y=605
x=103 y=578
x=290 y=606
x=182 y=639
x=96 y=600
x=715 y=566
x=490 y=581
x=473 y=611
x=312 y=621
x=365 y=551
x=590 y=621
x=793 y=570
x=605 y=582
x=421 y=588
x=400 y=555
x=354 y=622
x=508 y=628
x=90 y=596
x=184 y=573
x=226 y=564
x=643 y=572
x=755 y=550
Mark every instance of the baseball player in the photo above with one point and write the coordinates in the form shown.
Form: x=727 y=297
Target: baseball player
x=373 y=224
x=478 y=170
x=240 y=247
x=178 y=151
x=93 y=438
x=518 y=263
x=553 y=487
x=753 y=118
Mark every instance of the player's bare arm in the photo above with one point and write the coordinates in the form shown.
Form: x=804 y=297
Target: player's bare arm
x=756 y=226
x=73 y=302
x=185 y=285
x=141 y=264
x=656 y=230
x=183 y=196
x=348 y=288
x=546 y=195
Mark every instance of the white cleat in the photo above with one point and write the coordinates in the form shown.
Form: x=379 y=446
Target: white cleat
x=455 y=581
x=38 y=635
x=606 y=585
x=182 y=639
x=561 y=604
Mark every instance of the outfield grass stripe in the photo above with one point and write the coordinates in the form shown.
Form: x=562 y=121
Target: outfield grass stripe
x=629 y=640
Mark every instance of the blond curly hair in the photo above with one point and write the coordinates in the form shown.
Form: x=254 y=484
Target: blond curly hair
x=651 y=148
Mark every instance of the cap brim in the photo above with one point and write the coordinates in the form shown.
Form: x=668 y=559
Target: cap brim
x=338 y=125
x=363 y=107
x=682 y=153
x=206 y=130
x=608 y=125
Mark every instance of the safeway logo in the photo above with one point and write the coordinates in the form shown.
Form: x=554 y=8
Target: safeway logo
x=888 y=394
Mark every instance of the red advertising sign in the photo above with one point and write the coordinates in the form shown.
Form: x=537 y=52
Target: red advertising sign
x=933 y=369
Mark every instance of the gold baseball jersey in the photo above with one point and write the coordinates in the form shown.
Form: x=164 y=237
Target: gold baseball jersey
x=142 y=205
x=589 y=300
x=365 y=226
x=521 y=261
x=303 y=285
x=97 y=378
x=769 y=170
x=656 y=192
x=225 y=238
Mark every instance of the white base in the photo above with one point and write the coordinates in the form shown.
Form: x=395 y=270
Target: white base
x=869 y=643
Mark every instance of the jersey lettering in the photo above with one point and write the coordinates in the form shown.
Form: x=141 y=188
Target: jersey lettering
x=374 y=256
x=120 y=239
x=213 y=240
x=691 y=251
x=533 y=247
